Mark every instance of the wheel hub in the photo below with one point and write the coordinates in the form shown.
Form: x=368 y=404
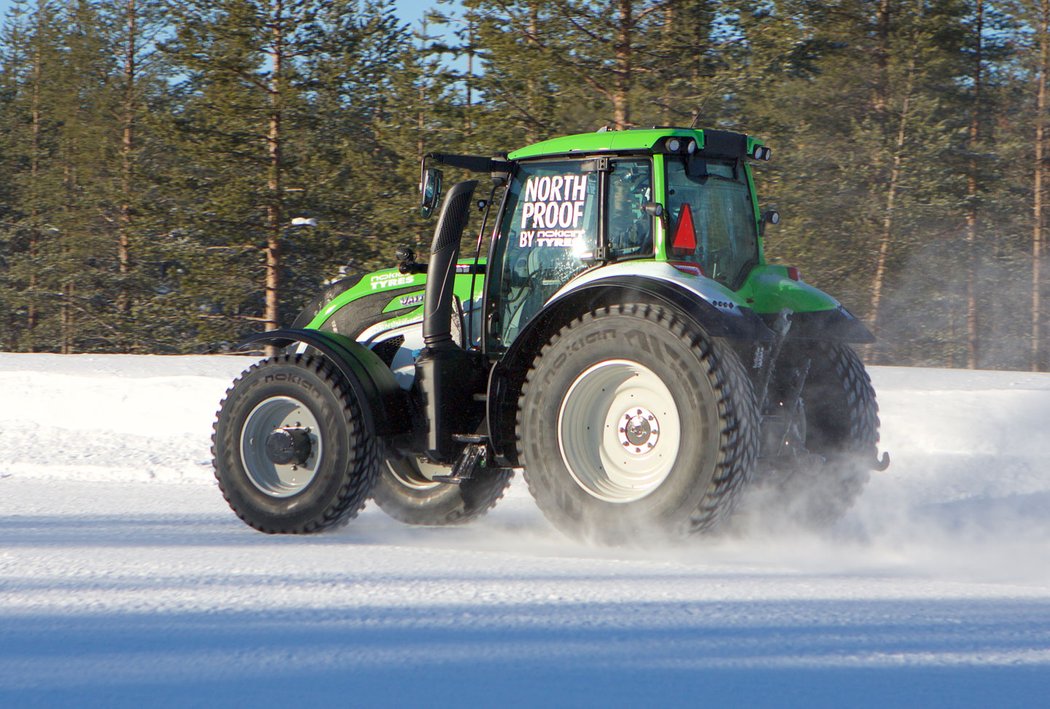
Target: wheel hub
x=640 y=431
x=288 y=446
x=281 y=446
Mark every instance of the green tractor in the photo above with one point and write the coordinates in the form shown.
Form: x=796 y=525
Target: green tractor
x=619 y=336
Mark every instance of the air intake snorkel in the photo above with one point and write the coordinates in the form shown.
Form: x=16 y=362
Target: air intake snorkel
x=441 y=270
x=447 y=376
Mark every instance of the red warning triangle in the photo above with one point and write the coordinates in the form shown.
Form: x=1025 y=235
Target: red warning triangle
x=684 y=240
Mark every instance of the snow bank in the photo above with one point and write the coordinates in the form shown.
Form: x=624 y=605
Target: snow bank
x=98 y=417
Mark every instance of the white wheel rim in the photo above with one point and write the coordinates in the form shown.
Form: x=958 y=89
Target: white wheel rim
x=271 y=478
x=619 y=431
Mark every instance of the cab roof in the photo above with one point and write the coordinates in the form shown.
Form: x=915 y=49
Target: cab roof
x=651 y=140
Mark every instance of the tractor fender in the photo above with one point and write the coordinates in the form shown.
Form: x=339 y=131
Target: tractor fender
x=832 y=325
x=384 y=404
x=719 y=319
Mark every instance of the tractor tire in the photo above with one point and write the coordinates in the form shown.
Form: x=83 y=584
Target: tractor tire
x=634 y=425
x=841 y=426
x=405 y=493
x=292 y=451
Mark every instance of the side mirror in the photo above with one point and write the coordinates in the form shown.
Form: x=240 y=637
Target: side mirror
x=770 y=216
x=430 y=191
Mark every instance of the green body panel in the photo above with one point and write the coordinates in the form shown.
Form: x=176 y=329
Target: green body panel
x=769 y=289
x=391 y=279
x=607 y=141
x=613 y=141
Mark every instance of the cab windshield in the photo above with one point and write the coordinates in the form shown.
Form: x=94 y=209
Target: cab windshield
x=712 y=218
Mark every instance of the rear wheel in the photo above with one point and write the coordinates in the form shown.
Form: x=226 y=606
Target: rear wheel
x=292 y=451
x=406 y=493
x=633 y=423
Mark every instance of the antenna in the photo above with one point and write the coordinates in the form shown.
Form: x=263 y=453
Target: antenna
x=699 y=112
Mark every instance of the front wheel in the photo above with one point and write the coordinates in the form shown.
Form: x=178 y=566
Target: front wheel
x=839 y=428
x=633 y=423
x=292 y=451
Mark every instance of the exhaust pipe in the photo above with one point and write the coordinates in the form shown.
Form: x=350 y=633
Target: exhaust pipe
x=441 y=271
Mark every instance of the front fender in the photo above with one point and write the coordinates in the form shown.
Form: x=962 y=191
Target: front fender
x=384 y=404
x=837 y=325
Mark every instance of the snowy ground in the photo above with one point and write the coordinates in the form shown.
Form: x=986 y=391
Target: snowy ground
x=124 y=579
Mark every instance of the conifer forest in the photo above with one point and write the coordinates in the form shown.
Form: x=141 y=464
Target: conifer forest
x=176 y=174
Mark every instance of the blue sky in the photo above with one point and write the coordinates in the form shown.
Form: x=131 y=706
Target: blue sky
x=410 y=10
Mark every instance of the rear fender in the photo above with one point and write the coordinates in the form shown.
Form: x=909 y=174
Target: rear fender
x=384 y=404
x=719 y=317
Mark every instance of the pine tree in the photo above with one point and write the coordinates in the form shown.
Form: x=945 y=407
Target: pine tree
x=30 y=59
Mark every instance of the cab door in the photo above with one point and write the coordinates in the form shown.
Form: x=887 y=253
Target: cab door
x=561 y=217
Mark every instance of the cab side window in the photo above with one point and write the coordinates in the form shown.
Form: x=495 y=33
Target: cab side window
x=629 y=228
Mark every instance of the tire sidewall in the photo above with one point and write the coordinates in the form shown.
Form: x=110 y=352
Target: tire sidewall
x=276 y=378
x=841 y=413
x=687 y=372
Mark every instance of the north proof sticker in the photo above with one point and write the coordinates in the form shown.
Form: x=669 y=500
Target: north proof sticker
x=552 y=211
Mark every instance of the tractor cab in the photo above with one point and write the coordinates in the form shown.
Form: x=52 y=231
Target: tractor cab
x=673 y=196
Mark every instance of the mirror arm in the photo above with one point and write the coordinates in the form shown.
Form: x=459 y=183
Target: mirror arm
x=655 y=209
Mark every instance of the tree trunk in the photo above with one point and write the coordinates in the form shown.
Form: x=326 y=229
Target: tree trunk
x=36 y=117
x=533 y=130
x=882 y=58
x=623 y=77
x=421 y=112
x=668 y=40
x=275 y=183
x=127 y=149
x=468 y=125
x=1039 y=178
x=67 y=321
x=886 y=235
x=892 y=188
x=972 y=193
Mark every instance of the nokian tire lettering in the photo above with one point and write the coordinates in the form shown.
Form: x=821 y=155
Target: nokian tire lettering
x=669 y=411
x=303 y=401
